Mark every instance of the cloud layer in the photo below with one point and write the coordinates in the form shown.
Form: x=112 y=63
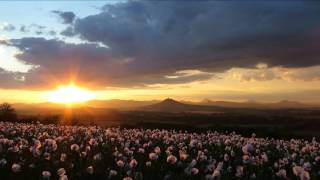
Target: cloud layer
x=139 y=43
x=66 y=17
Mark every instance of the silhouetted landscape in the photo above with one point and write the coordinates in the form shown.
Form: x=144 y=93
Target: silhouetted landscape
x=280 y=119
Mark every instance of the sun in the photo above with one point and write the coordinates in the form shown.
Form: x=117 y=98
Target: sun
x=70 y=94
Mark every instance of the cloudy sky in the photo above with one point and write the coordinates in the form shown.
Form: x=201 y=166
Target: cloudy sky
x=191 y=50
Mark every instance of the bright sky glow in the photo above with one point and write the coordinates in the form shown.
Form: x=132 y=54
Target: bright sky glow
x=259 y=83
x=70 y=94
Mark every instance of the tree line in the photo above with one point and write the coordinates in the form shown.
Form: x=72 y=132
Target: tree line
x=7 y=112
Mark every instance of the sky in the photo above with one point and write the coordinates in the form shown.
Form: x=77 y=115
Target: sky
x=145 y=50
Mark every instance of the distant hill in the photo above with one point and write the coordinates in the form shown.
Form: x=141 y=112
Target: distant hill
x=167 y=105
x=257 y=105
x=171 y=105
x=119 y=104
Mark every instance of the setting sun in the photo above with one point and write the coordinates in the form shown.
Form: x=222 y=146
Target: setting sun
x=70 y=94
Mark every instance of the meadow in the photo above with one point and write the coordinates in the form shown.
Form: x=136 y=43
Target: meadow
x=38 y=151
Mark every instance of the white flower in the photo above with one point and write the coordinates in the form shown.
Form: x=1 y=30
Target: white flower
x=297 y=170
x=90 y=170
x=63 y=157
x=148 y=163
x=153 y=156
x=64 y=177
x=282 y=173
x=248 y=148
x=141 y=150
x=61 y=172
x=239 y=171
x=226 y=157
x=3 y=162
x=16 y=167
x=133 y=163
x=264 y=157
x=120 y=163
x=113 y=173
x=74 y=147
x=194 y=171
x=46 y=174
x=157 y=150
x=183 y=156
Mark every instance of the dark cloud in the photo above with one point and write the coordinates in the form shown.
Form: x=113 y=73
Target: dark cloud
x=67 y=17
x=208 y=34
x=146 y=42
x=37 y=29
x=11 y=79
x=23 y=29
x=34 y=28
x=69 y=31
x=90 y=65
x=39 y=32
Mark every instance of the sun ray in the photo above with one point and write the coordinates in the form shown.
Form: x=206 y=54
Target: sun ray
x=70 y=94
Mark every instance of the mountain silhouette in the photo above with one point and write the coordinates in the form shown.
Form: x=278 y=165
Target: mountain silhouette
x=256 y=105
x=171 y=105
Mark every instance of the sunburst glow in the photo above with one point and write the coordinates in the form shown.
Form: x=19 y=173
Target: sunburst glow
x=70 y=94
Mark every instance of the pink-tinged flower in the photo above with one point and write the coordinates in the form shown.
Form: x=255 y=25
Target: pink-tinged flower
x=90 y=170
x=88 y=148
x=153 y=156
x=245 y=158
x=305 y=149
x=297 y=170
x=46 y=174
x=194 y=171
x=120 y=163
x=63 y=157
x=248 y=148
x=141 y=150
x=264 y=157
x=157 y=150
x=47 y=156
x=83 y=154
x=226 y=157
x=171 y=159
x=307 y=166
x=61 y=172
x=227 y=142
x=148 y=163
x=239 y=171
x=305 y=175
x=64 y=177
x=183 y=156
x=92 y=142
x=74 y=147
x=282 y=173
x=97 y=157
x=216 y=173
x=133 y=163
x=37 y=144
x=113 y=173
x=16 y=167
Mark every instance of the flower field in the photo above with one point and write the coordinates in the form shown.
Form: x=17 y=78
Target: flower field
x=37 y=151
